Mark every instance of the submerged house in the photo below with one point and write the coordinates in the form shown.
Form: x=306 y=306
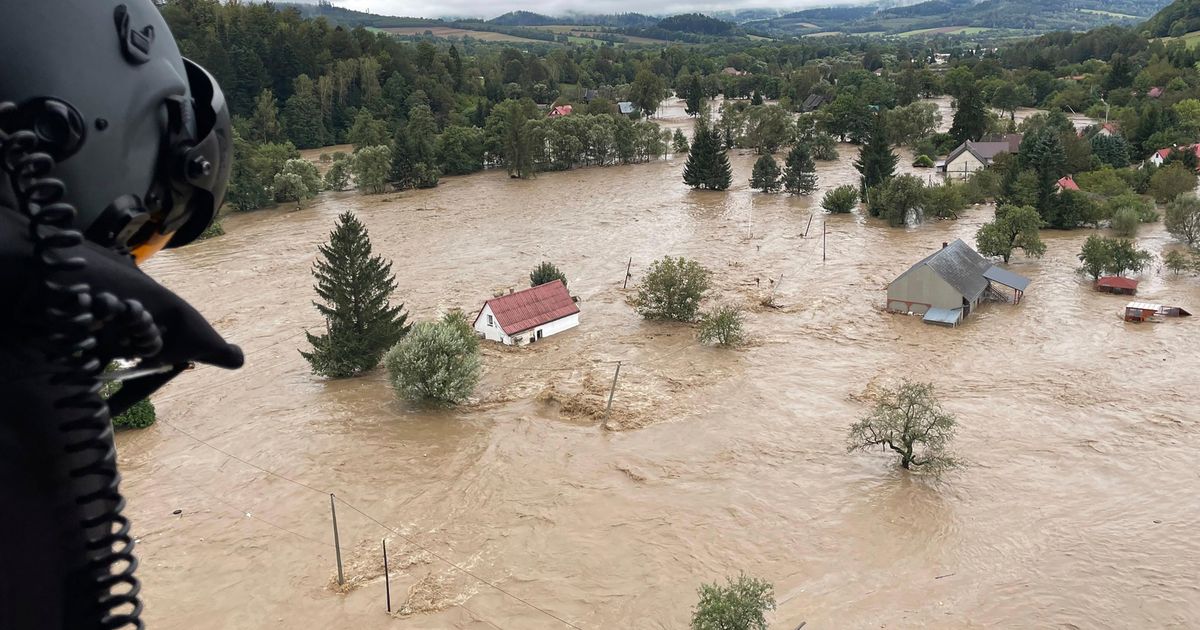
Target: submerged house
x=971 y=156
x=813 y=102
x=948 y=285
x=526 y=316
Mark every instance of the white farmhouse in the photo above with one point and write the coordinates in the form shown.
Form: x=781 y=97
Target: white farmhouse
x=529 y=315
x=971 y=156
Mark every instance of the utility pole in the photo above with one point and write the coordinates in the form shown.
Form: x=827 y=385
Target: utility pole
x=337 y=543
x=823 y=233
x=387 y=577
x=612 y=390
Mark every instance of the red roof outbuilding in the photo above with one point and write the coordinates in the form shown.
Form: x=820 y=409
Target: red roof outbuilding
x=1067 y=183
x=520 y=311
x=1117 y=282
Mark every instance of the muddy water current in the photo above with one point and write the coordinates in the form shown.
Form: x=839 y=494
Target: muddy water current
x=1078 y=507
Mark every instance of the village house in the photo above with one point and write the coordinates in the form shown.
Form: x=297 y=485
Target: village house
x=627 y=109
x=730 y=71
x=561 y=110
x=813 y=103
x=971 y=156
x=1158 y=157
x=1065 y=183
x=946 y=286
x=524 y=317
x=1108 y=129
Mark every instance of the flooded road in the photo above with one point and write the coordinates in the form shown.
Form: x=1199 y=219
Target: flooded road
x=1078 y=508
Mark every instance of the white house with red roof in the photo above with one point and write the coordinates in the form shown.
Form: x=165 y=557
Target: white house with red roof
x=526 y=316
x=561 y=110
x=1066 y=183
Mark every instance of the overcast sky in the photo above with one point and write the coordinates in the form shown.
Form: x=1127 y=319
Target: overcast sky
x=492 y=8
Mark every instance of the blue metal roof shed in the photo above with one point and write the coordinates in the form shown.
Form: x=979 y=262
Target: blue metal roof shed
x=944 y=316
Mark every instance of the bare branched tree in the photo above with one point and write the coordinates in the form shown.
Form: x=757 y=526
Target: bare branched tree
x=909 y=421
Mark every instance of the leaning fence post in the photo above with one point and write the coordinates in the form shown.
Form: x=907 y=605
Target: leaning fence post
x=612 y=390
x=628 y=266
x=337 y=542
x=387 y=578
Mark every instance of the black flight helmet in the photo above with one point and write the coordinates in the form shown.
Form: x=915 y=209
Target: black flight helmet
x=141 y=136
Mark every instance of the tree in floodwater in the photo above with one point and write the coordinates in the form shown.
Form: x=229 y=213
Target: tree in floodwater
x=799 y=171
x=876 y=161
x=679 y=142
x=510 y=136
x=765 y=176
x=971 y=118
x=740 y=604
x=1014 y=227
x=546 y=272
x=437 y=362
x=707 y=165
x=909 y=421
x=354 y=287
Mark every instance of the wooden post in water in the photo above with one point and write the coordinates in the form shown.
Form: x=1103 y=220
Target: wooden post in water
x=810 y=216
x=628 y=266
x=337 y=542
x=823 y=233
x=612 y=390
x=387 y=578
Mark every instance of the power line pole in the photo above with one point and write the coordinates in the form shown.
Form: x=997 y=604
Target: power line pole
x=612 y=390
x=337 y=542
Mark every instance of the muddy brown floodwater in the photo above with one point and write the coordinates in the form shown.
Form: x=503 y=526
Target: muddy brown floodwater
x=1078 y=508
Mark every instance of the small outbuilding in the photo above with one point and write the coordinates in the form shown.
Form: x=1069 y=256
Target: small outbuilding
x=1150 y=312
x=627 y=109
x=1142 y=312
x=1117 y=284
x=946 y=286
x=524 y=317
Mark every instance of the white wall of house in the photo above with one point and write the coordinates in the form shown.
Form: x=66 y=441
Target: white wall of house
x=963 y=165
x=489 y=328
x=921 y=289
x=551 y=328
x=1156 y=159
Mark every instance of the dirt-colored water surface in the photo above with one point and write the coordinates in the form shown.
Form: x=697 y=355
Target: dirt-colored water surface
x=1077 y=508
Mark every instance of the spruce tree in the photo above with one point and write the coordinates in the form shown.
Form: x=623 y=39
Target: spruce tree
x=970 y=119
x=302 y=116
x=876 y=161
x=694 y=96
x=765 y=176
x=354 y=286
x=799 y=171
x=708 y=165
x=403 y=168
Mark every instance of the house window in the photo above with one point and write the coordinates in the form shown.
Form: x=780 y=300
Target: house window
x=491 y=322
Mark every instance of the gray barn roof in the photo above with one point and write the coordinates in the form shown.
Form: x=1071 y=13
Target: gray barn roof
x=960 y=266
x=983 y=151
x=1007 y=278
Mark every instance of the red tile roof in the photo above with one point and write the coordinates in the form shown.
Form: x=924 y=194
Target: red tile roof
x=561 y=110
x=520 y=311
x=1156 y=92
x=1117 y=282
x=1068 y=183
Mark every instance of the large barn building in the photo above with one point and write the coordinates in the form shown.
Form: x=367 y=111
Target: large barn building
x=526 y=316
x=948 y=284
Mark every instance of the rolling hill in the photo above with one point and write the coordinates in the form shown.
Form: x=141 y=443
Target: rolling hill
x=1008 y=17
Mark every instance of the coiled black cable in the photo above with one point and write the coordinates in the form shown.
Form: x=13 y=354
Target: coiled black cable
x=73 y=316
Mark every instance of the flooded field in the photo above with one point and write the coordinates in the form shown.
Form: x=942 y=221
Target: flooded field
x=1078 y=507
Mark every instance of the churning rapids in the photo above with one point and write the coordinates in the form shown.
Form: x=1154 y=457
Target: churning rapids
x=1078 y=508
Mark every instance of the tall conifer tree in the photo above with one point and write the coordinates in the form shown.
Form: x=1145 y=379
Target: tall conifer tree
x=708 y=165
x=876 y=161
x=354 y=287
x=799 y=171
